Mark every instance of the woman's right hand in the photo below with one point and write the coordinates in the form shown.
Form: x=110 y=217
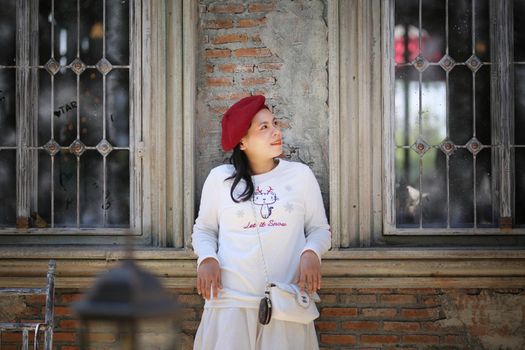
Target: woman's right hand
x=208 y=278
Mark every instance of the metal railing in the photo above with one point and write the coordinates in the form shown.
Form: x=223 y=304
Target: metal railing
x=48 y=325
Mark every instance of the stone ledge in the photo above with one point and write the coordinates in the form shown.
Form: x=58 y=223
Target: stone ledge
x=370 y=267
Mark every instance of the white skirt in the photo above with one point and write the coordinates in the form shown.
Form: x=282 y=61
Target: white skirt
x=239 y=329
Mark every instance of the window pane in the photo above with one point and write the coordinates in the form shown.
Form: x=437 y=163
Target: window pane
x=117 y=105
x=91 y=101
x=406 y=33
x=91 y=190
x=520 y=187
x=484 y=208
x=434 y=187
x=90 y=46
x=460 y=29
x=117 y=31
x=482 y=30
x=91 y=31
x=483 y=106
x=519 y=30
x=65 y=181
x=460 y=102
x=65 y=107
x=8 y=188
x=406 y=105
x=434 y=105
x=8 y=33
x=117 y=196
x=461 y=189
x=7 y=107
x=433 y=29
x=519 y=103
x=407 y=188
x=442 y=114
x=65 y=31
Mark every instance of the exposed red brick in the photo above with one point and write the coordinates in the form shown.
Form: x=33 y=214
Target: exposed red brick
x=67 y=324
x=60 y=311
x=401 y=326
x=325 y=326
x=252 y=52
x=232 y=68
x=379 y=339
x=338 y=339
x=233 y=96
x=262 y=67
x=35 y=299
x=227 y=68
x=60 y=336
x=246 y=23
x=257 y=81
x=260 y=7
x=218 y=24
x=217 y=82
x=69 y=298
x=359 y=299
x=431 y=326
x=230 y=38
x=339 y=311
x=361 y=325
x=420 y=339
x=209 y=68
x=325 y=298
x=420 y=313
x=452 y=339
x=226 y=8
x=11 y=337
x=396 y=299
x=379 y=312
x=10 y=347
x=222 y=53
x=430 y=300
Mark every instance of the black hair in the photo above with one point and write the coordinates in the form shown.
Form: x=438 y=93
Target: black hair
x=242 y=171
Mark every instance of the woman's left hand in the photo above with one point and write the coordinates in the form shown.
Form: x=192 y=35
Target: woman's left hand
x=309 y=272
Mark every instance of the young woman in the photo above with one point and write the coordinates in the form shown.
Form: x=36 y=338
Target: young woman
x=283 y=199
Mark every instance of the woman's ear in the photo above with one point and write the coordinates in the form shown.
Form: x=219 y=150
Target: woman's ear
x=242 y=144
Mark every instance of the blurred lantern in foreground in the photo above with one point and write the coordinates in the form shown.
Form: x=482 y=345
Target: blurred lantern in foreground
x=128 y=298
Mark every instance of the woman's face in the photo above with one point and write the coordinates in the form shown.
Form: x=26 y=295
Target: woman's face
x=263 y=140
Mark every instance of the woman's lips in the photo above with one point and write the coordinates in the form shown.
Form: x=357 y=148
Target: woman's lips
x=278 y=143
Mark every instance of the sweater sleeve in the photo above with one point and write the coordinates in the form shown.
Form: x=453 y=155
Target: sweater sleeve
x=316 y=228
x=206 y=227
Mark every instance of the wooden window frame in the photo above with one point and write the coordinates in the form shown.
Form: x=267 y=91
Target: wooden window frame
x=162 y=94
x=360 y=197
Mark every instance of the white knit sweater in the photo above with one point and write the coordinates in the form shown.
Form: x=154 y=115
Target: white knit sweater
x=291 y=218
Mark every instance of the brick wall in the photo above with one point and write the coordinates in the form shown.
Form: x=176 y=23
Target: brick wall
x=350 y=319
x=275 y=48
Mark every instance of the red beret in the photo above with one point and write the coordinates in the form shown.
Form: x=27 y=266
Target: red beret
x=236 y=121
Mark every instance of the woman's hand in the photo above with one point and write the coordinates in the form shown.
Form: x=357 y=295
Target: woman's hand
x=208 y=277
x=309 y=272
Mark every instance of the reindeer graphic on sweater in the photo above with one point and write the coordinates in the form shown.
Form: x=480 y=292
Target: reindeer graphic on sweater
x=265 y=199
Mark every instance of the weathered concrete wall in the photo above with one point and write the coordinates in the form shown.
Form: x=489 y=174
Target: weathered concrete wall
x=278 y=49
